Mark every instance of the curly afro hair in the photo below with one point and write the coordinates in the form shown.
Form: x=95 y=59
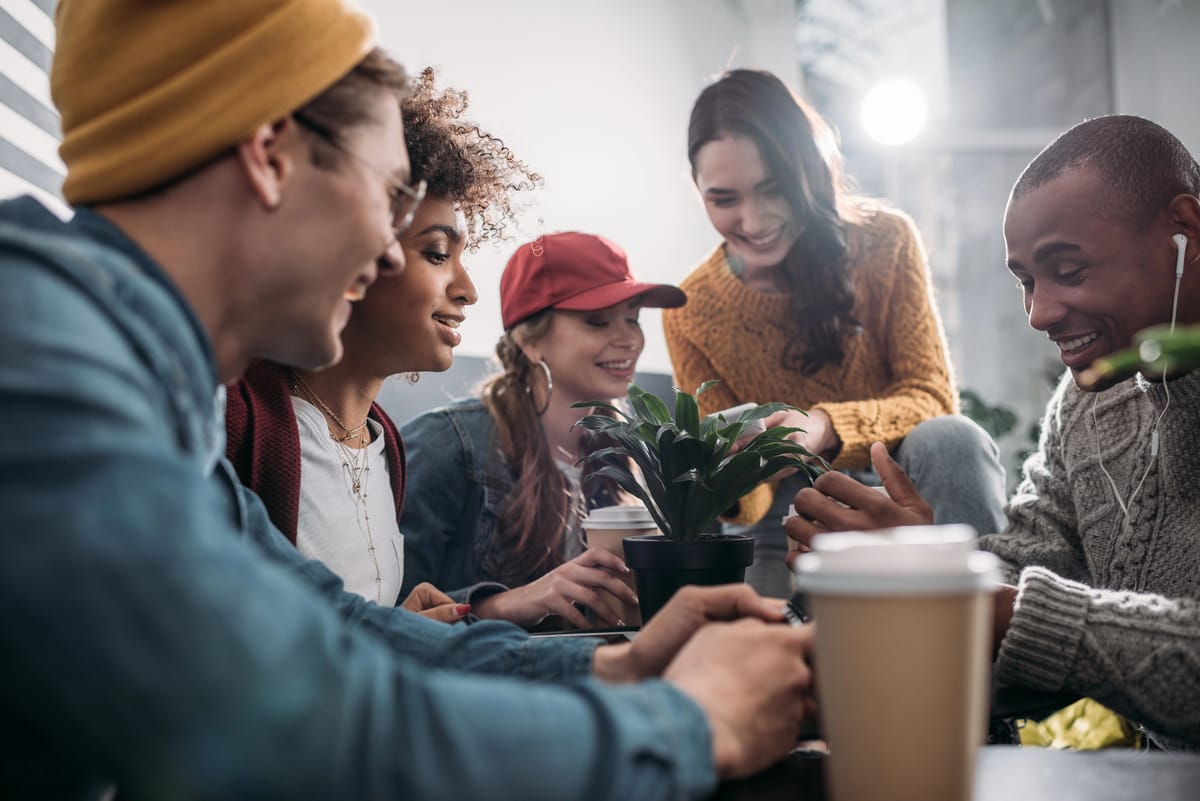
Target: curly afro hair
x=460 y=161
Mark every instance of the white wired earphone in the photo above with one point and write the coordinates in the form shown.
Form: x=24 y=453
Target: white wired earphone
x=1181 y=242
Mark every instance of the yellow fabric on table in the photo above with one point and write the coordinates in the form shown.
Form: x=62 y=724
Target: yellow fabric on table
x=1083 y=726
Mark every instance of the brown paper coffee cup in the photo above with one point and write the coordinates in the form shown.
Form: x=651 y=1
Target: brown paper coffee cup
x=902 y=660
x=607 y=529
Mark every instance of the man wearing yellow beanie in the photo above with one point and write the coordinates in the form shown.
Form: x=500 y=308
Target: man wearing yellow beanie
x=193 y=121
x=238 y=173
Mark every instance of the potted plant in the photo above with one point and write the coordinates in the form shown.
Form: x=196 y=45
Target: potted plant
x=686 y=471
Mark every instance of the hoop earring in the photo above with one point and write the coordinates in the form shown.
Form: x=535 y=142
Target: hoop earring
x=549 y=387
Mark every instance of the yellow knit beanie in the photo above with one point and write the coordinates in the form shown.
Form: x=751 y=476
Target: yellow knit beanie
x=150 y=89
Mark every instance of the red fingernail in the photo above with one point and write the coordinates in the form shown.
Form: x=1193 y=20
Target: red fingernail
x=462 y=609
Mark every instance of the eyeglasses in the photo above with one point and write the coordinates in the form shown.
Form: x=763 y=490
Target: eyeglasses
x=403 y=199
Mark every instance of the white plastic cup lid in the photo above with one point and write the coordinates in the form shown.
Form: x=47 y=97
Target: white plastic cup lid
x=634 y=516
x=957 y=536
x=913 y=560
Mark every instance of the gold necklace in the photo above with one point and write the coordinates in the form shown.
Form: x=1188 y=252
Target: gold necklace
x=350 y=432
x=357 y=474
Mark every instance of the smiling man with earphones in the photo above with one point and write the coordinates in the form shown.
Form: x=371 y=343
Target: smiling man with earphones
x=1102 y=547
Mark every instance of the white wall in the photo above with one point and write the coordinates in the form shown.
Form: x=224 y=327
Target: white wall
x=1154 y=55
x=595 y=97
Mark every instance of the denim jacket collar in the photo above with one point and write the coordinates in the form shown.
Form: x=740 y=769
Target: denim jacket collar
x=96 y=255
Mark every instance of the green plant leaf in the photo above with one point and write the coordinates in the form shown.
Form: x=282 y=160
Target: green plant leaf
x=598 y=422
x=768 y=409
x=616 y=410
x=700 y=510
x=996 y=420
x=769 y=450
x=647 y=406
x=606 y=455
x=781 y=432
x=680 y=466
x=647 y=432
x=687 y=413
x=627 y=482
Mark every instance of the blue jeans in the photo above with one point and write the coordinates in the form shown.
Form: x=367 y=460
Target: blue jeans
x=953 y=463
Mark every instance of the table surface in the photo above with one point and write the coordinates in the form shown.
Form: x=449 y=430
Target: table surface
x=1011 y=773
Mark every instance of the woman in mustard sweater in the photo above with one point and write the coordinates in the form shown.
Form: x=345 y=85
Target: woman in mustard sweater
x=820 y=299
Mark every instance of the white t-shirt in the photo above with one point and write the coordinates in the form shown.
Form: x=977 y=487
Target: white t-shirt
x=332 y=527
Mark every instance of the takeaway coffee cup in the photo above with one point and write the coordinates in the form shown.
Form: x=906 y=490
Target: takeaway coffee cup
x=902 y=659
x=607 y=528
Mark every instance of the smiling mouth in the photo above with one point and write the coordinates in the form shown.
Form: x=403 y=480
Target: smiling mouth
x=1076 y=344
x=449 y=322
x=764 y=242
x=620 y=366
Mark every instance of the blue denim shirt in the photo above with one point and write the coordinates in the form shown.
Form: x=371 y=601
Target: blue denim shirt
x=158 y=633
x=458 y=480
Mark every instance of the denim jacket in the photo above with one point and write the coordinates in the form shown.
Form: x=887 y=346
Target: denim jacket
x=458 y=480
x=160 y=635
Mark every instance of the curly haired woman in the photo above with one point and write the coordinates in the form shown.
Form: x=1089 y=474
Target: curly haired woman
x=323 y=456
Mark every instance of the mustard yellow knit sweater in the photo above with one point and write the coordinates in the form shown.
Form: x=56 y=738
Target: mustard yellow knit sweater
x=895 y=373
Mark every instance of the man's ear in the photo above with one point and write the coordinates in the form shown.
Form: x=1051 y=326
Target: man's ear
x=266 y=160
x=1185 y=219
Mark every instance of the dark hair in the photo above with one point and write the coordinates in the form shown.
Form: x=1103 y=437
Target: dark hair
x=800 y=151
x=539 y=510
x=458 y=160
x=350 y=103
x=1142 y=164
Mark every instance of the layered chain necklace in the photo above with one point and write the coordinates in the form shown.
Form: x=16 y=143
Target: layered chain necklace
x=356 y=465
x=348 y=433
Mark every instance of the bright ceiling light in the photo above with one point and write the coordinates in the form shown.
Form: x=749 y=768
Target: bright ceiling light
x=894 y=111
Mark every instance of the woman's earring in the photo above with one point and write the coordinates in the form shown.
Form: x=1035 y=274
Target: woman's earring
x=412 y=378
x=549 y=387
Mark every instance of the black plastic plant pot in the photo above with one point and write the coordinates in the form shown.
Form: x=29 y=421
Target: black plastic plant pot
x=663 y=565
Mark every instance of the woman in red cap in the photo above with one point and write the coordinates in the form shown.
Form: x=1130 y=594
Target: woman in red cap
x=496 y=498
x=326 y=460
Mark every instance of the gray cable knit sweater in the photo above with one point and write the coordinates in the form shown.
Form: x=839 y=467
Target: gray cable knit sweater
x=1109 y=607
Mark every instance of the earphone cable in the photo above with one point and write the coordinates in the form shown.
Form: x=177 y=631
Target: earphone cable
x=1175 y=303
x=1125 y=505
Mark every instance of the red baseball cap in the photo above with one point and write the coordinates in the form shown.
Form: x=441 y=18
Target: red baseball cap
x=577 y=272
